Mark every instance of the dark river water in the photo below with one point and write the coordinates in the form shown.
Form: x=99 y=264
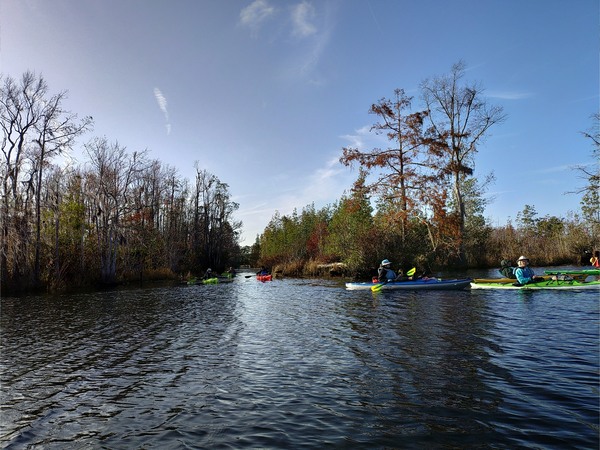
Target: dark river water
x=300 y=364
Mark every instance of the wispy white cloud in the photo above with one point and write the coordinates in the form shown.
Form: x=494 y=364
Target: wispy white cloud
x=309 y=61
x=325 y=185
x=303 y=27
x=324 y=179
x=508 y=95
x=302 y=15
x=256 y=13
x=364 y=139
x=357 y=140
x=162 y=104
x=554 y=169
x=495 y=194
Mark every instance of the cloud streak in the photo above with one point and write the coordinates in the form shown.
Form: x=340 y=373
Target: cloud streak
x=162 y=104
x=301 y=16
x=256 y=13
x=324 y=185
x=509 y=95
x=366 y=140
x=304 y=26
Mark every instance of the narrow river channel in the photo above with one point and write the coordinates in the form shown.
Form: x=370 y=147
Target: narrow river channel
x=299 y=364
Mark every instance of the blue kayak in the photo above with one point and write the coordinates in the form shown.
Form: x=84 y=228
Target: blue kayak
x=414 y=285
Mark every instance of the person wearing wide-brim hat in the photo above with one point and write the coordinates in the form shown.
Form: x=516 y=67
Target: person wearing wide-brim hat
x=524 y=273
x=385 y=272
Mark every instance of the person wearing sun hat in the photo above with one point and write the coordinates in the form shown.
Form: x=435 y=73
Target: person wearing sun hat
x=524 y=273
x=385 y=273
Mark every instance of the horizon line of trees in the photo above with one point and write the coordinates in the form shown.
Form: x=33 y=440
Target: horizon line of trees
x=429 y=207
x=124 y=216
x=116 y=216
x=352 y=232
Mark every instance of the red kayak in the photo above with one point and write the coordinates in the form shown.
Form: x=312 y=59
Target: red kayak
x=264 y=277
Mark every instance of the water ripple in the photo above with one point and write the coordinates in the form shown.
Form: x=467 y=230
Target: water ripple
x=300 y=364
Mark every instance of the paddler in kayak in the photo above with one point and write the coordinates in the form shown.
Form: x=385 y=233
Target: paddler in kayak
x=524 y=273
x=385 y=272
x=595 y=260
x=507 y=269
x=262 y=271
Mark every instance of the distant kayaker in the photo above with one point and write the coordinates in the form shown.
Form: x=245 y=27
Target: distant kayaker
x=385 y=272
x=208 y=274
x=524 y=273
x=595 y=260
x=262 y=271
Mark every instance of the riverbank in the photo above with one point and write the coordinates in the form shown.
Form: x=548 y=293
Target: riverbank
x=293 y=269
x=317 y=269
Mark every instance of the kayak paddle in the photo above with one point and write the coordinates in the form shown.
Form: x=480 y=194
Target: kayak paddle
x=377 y=287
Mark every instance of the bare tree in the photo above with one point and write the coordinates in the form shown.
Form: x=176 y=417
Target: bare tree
x=20 y=111
x=459 y=120
x=590 y=200
x=35 y=128
x=55 y=133
x=109 y=187
x=214 y=230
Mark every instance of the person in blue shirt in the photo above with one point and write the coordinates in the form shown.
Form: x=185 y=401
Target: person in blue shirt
x=385 y=272
x=524 y=273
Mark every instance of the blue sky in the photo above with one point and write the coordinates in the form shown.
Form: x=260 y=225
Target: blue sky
x=265 y=93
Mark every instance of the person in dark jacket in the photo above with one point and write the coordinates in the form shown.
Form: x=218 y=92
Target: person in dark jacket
x=507 y=269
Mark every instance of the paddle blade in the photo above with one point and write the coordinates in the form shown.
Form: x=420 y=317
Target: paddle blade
x=411 y=272
x=376 y=287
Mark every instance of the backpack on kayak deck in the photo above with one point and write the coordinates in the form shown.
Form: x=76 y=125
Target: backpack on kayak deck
x=507 y=270
x=563 y=277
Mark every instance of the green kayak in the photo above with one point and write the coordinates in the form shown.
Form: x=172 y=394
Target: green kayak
x=546 y=284
x=213 y=280
x=587 y=272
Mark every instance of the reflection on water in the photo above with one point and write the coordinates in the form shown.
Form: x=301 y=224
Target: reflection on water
x=299 y=363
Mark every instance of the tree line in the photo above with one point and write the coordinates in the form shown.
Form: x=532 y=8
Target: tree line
x=120 y=215
x=418 y=201
x=116 y=216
